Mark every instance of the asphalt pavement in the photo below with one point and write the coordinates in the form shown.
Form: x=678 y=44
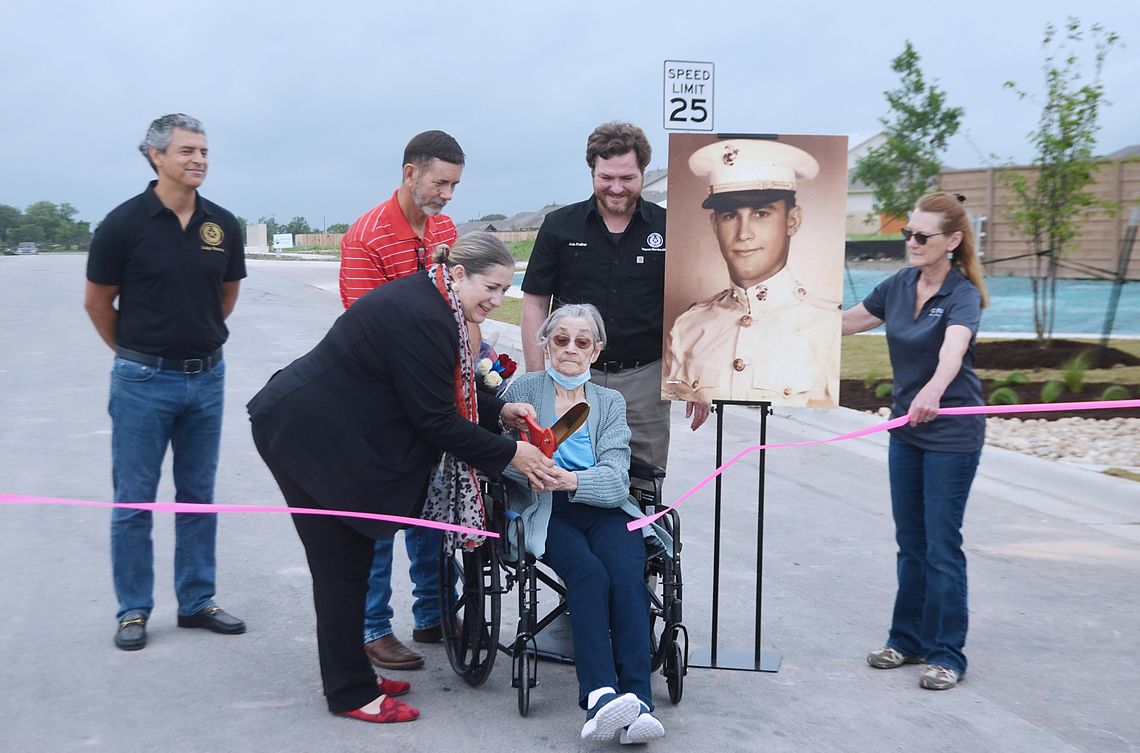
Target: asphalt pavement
x=1054 y=555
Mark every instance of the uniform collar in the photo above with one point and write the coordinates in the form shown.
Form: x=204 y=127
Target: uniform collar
x=155 y=207
x=399 y=222
x=778 y=290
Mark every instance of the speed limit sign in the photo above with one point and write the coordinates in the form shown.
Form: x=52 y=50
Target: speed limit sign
x=688 y=88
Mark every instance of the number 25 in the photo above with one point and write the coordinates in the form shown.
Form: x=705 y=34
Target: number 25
x=697 y=106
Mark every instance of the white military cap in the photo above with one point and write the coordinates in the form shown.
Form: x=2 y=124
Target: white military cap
x=748 y=165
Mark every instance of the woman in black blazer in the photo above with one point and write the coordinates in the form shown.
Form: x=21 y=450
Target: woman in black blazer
x=359 y=423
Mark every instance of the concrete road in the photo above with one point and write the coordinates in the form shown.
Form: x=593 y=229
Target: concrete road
x=1054 y=564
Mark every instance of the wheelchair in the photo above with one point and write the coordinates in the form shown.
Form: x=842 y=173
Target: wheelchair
x=470 y=620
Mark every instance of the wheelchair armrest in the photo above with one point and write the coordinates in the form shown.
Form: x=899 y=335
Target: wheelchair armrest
x=641 y=469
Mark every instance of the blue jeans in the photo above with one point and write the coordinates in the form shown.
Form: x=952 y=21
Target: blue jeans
x=602 y=564
x=928 y=498
x=149 y=409
x=423 y=568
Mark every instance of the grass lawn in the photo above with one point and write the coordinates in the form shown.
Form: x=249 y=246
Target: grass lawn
x=521 y=249
x=866 y=356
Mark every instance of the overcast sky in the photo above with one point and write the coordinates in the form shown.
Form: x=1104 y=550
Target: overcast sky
x=307 y=110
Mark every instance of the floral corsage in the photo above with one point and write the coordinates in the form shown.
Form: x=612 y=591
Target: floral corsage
x=494 y=369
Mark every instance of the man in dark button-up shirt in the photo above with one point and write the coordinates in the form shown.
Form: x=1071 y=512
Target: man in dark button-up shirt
x=609 y=250
x=173 y=261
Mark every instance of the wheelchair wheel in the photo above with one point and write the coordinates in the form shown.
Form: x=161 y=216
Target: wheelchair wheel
x=471 y=621
x=675 y=670
x=524 y=674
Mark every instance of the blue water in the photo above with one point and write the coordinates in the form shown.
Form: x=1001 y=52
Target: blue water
x=1081 y=304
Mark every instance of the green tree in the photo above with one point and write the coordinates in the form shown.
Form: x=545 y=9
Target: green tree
x=242 y=223
x=271 y=227
x=9 y=217
x=492 y=217
x=297 y=226
x=918 y=128
x=1049 y=203
x=337 y=227
x=48 y=223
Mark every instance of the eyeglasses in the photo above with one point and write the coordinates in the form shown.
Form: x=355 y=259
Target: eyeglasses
x=581 y=343
x=920 y=238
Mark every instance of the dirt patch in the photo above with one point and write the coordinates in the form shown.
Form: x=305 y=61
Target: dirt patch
x=1010 y=355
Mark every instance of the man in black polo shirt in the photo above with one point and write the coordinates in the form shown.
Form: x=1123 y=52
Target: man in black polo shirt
x=174 y=261
x=609 y=250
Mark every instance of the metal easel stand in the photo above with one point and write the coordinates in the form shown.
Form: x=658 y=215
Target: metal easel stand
x=759 y=660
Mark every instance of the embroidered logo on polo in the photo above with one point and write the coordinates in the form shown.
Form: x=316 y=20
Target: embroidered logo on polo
x=655 y=240
x=211 y=233
x=936 y=312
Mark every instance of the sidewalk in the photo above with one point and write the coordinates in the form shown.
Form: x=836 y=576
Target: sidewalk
x=1054 y=564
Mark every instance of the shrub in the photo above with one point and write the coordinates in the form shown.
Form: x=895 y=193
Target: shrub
x=870 y=379
x=1013 y=378
x=1074 y=372
x=1114 y=392
x=1051 y=391
x=1004 y=396
x=886 y=389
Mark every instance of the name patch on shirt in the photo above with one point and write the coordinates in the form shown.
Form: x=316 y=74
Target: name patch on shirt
x=579 y=244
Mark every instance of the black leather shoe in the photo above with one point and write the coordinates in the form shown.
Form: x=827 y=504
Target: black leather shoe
x=131 y=635
x=213 y=618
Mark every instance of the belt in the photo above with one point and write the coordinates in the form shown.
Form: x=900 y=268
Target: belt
x=613 y=367
x=187 y=366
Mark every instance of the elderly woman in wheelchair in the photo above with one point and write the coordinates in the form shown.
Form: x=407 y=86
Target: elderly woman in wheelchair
x=578 y=528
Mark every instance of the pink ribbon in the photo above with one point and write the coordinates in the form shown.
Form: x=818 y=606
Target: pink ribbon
x=190 y=507
x=968 y=410
x=19 y=499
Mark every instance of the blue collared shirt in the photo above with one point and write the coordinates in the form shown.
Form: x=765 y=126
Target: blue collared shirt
x=914 y=343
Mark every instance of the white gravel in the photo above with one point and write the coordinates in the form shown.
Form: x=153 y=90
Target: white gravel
x=1111 y=442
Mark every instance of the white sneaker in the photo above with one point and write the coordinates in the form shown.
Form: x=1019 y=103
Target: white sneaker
x=609 y=714
x=645 y=728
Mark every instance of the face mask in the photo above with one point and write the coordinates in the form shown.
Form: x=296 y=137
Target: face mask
x=567 y=382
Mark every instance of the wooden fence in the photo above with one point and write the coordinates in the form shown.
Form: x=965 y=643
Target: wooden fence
x=1100 y=235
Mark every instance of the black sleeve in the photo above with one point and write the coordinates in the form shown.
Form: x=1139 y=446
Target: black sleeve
x=235 y=267
x=429 y=346
x=107 y=258
x=489 y=409
x=542 y=270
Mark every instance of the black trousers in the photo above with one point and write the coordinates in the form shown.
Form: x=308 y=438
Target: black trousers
x=340 y=558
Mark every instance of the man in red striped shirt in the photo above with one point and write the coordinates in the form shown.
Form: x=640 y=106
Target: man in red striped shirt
x=394 y=240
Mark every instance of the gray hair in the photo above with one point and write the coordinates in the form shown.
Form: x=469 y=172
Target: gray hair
x=161 y=130
x=586 y=311
x=477 y=252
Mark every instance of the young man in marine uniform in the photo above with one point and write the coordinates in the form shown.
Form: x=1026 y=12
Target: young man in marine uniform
x=766 y=337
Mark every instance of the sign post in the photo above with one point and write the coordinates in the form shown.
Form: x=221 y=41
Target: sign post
x=282 y=240
x=688 y=95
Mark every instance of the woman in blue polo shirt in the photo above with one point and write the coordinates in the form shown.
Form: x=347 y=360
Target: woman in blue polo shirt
x=931 y=311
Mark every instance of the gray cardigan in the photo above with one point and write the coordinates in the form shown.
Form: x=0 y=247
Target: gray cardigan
x=604 y=485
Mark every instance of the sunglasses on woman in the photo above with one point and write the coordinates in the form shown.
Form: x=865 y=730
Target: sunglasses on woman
x=920 y=238
x=581 y=343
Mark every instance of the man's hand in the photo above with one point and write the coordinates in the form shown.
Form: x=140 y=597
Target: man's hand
x=699 y=412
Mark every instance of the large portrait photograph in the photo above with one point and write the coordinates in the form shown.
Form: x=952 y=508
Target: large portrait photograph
x=754 y=273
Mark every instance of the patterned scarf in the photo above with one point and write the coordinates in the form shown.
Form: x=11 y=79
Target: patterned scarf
x=453 y=494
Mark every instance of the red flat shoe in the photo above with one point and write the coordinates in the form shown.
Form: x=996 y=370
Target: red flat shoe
x=391 y=712
x=393 y=688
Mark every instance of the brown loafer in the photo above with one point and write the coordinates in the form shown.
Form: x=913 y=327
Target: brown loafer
x=389 y=653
